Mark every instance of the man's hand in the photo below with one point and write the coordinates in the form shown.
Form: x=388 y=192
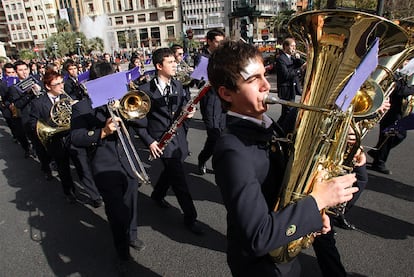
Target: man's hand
x=337 y=190
x=110 y=126
x=156 y=152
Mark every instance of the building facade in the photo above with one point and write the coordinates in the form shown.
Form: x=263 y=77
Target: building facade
x=30 y=22
x=203 y=15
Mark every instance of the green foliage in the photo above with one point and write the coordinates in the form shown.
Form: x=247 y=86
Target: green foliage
x=26 y=54
x=66 y=43
x=63 y=25
x=279 y=23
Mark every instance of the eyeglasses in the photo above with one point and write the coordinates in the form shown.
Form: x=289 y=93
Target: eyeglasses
x=54 y=85
x=180 y=54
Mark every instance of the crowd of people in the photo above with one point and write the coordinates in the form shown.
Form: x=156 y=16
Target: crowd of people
x=249 y=156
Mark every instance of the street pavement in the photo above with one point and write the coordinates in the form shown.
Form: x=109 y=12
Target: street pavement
x=42 y=235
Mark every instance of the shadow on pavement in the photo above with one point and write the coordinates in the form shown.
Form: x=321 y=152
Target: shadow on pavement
x=75 y=239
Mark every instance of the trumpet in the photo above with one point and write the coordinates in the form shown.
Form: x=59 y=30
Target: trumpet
x=133 y=105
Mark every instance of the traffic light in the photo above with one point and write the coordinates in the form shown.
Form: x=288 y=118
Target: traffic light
x=244 y=28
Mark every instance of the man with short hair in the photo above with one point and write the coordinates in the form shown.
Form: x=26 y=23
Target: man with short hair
x=210 y=107
x=167 y=101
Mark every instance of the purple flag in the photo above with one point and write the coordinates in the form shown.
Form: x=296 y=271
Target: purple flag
x=147 y=61
x=150 y=73
x=200 y=72
x=11 y=80
x=109 y=87
x=365 y=68
x=133 y=74
x=83 y=77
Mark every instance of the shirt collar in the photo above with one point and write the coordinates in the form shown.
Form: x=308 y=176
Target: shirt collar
x=265 y=122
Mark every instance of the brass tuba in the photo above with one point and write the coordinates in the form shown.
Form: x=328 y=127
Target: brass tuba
x=336 y=41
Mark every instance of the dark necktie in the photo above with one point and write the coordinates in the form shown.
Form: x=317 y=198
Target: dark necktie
x=54 y=99
x=167 y=92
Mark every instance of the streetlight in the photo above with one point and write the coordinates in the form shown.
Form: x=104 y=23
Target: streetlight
x=78 y=47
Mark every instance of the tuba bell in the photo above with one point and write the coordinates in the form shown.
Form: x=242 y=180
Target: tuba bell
x=336 y=41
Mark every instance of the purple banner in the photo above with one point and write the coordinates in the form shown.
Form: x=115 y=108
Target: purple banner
x=133 y=74
x=83 y=77
x=109 y=87
x=365 y=68
x=200 y=72
x=11 y=80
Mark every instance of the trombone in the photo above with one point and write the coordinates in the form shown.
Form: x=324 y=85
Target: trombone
x=133 y=105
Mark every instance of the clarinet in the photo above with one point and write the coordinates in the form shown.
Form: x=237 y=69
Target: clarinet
x=172 y=131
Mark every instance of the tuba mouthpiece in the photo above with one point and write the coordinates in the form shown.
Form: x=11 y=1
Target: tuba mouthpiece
x=267 y=99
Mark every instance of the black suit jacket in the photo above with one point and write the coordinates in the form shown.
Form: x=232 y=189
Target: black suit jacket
x=287 y=70
x=162 y=115
x=249 y=176
x=22 y=101
x=73 y=89
x=4 y=101
x=106 y=155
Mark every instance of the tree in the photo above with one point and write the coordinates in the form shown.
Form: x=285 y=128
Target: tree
x=63 y=25
x=27 y=54
x=67 y=43
x=279 y=23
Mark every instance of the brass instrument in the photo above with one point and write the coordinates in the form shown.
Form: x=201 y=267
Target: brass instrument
x=385 y=78
x=337 y=41
x=60 y=115
x=133 y=105
x=183 y=73
x=408 y=103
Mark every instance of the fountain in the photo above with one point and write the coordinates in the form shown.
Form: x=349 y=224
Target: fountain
x=96 y=26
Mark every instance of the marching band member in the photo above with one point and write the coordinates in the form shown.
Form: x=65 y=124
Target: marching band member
x=10 y=112
x=94 y=129
x=249 y=168
x=79 y=155
x=210 y=107
x=22 y=100
x=58 y=146
x=167 y=100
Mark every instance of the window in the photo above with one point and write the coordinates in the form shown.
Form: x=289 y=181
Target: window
x=141 y=17
x=170 y=32
x=119 y=20
x=155 y=36
x=152 y=3
x=130 y=19
x=153 y=16
x=169 y=15
x=143 y=37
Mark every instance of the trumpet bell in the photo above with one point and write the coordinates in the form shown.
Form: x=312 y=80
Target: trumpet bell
x=134 y=105
x=368 y=99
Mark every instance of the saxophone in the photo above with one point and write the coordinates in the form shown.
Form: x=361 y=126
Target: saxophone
x=336 y=41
